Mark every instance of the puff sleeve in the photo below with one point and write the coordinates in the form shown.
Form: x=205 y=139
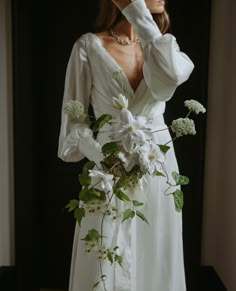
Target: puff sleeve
x=75 y=139
x=165 y=66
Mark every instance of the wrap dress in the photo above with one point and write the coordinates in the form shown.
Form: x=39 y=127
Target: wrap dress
x=153 y=253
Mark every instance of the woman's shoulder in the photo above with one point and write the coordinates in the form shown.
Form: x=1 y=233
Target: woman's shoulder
x=85 y=39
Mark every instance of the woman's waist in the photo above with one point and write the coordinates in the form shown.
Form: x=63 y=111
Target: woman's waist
x=153 y=123
x=156 y=122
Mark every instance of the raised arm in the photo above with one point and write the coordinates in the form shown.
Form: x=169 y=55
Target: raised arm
x=165 y=66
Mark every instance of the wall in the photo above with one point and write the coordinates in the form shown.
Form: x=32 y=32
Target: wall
x=219 y=219
x=7 y=253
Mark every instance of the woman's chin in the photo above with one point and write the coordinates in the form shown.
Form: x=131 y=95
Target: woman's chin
x=157 y=10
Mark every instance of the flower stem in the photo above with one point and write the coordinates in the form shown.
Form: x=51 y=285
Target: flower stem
x=188 y=113
x=168 y=181
x=116 y=164
x=161 y=129
x=101 y=243
x=100 y=263
x=172 y=140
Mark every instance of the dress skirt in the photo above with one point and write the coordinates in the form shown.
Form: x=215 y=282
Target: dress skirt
x=152 y=253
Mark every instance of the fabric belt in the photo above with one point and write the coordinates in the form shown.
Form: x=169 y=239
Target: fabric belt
x=156 y=122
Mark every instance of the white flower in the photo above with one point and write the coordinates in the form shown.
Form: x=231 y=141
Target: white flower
x=104 y=251
x=121 y=102
x=75 y=109
x=91 y=246
x=129 y=159
x=101 y=181
x=183 y=126
x=130 y=130
x=150 y=158
x=194 y=106
x=94 y=206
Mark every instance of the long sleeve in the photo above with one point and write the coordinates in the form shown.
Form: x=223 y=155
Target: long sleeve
x=165 y=66
x=75 y=139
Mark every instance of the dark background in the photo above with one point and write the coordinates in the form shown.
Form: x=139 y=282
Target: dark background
x=43 y=35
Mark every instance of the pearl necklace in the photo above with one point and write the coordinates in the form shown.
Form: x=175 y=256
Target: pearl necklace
x=122 y=41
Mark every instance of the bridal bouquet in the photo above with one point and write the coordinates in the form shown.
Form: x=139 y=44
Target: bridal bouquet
x=130 y=154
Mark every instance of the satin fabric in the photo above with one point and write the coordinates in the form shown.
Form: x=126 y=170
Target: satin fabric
x=153 y=254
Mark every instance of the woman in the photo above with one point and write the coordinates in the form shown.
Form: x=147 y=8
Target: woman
x=130 y=44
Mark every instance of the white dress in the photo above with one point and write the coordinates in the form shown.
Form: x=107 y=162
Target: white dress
x=153 y=253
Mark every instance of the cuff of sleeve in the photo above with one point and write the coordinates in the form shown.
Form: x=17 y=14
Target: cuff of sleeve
x=141 y=18
x=90 y=147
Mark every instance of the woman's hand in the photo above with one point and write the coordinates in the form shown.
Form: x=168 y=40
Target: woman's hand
x=121 y=4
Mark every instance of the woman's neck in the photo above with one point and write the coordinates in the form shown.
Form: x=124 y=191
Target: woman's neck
x=125 y=29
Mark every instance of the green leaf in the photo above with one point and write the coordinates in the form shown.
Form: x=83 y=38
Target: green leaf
x=97 y=194
x=128 y=213
x=137 y=203
x=123 y=182
x=110 y=257
x=179 y=200
x=119 y=260
x=101 y=121
x=92 y=235
x=109 y=161
x=84 y=180
x=110 y=148
x=121 y=195
x=83 y=194
x=179 y=179
x=72 y=205
x=164 y=148
x=141 y=215
x=88 y=166
x=157 y=173
x=88 y=194
x=96 y=284
x=79 y=213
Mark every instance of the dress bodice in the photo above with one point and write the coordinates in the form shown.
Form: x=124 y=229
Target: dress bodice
x=110 y=80
x=93 y=76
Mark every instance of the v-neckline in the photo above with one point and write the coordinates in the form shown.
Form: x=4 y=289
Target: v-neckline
x=116 y=64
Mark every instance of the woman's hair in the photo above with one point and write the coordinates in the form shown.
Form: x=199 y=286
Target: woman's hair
x=109 y=15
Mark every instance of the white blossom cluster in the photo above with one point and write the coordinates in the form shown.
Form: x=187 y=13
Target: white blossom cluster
x=75 y=109
x=113 y=211
x=183 y=126
x=90 y=246
x=102 y=252
x=96 y=207
x=194 y=106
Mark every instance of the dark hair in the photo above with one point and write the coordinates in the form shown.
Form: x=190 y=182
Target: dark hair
x=109 y=15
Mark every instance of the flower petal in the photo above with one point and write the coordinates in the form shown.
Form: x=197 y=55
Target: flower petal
x=126 y=116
